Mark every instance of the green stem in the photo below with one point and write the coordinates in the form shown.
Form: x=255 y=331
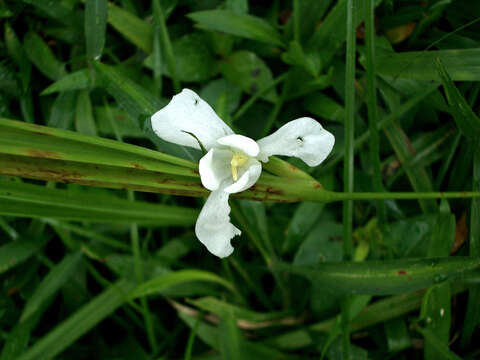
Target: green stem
x=348 y=168
x=337 y=196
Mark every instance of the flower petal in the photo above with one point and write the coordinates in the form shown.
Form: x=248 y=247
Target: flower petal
x=247 y=179
x=304 y=138
x=215 y=167
x=240 y=142
x=213 y=227
x=188 y=113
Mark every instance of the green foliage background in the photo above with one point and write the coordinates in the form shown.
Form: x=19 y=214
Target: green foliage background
x=98 y=258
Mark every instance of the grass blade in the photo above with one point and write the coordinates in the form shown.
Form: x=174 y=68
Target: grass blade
x=374 y=146
x=386 y=277
x=82 y=321
x=243 y=25
x=26 y=200
x=42 y=56
x=54 y=280
x=95 y=27
x=467 y=121
x=162 y=283
x=16 y=252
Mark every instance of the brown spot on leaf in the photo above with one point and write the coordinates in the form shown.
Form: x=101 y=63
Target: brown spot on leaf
x=401 y=272
x=317 y=185
x=138 y=166
x=45 y=154
x=41 y=133
x=272 y=190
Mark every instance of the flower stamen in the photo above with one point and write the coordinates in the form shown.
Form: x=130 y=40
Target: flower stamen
x=237 y=160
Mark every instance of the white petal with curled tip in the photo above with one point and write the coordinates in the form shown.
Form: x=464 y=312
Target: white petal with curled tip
x=213 y=227
x=188 y=113
x=247 y=179
x=214 y=167
x=240 y=142
x=304 y=138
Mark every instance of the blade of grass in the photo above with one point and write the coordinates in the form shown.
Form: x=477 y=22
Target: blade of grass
x=131 y=27
x=385 y=277
x=42 y=57
x=78 y=324
x=16 y=252
x=417 y=175
x=163 y=282
x=348 y=165
x=436 y=307
x=472 y=315
x=50 y=284
x=157 y=49
x=84 y=121
x=397 y=113
x=95 y=27
x=25 y=139
x=28 y=200
x=160 y=22
x=376 y=313
x=441 y=348
x=372 y=107
x=467 y=121
x=243 y=25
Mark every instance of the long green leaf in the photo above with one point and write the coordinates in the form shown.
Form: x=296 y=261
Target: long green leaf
x=436 y=303
x=16 y=252
x=248 y=26
x=73 y=81
x=19 y=138
x=134 y=29
x=472 y=315
x=162 y=283
x=95 y=27
x=129 y=95
x=385 y=277
x=42 y=56
x=26 y=200
x=78 y=324
x=54 y=280
x=231 y=340
x=461 y=64
x=468 y=122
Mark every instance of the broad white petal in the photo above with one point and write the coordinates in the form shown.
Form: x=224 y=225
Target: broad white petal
x=304 y=138
x=215 y=167
x=188 y=113
x=213 y=227
x=247 y=179
x=240 y=142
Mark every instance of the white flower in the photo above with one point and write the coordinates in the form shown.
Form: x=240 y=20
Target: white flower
x=232 y=163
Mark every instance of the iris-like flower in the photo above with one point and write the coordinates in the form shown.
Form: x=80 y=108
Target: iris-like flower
x=233 y=162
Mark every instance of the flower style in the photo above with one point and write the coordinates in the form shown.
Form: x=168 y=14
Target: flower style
x=233 y=162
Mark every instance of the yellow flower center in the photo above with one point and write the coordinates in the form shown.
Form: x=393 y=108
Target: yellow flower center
x=237 y=160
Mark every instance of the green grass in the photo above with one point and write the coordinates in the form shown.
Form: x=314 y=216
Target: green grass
x=98 y=257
